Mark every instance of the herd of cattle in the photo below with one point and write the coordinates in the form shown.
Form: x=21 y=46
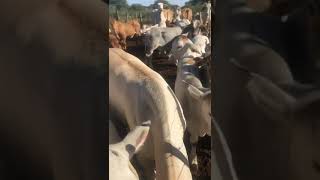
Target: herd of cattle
x=138 y=94
x=268 y=114
x=53 y=98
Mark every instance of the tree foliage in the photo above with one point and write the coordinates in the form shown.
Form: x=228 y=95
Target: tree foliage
x=162 y=1
x=119 y=3
x=166 y=3
x=195 y=2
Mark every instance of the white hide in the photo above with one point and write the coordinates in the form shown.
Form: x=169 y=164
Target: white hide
x=121 y=153
x=202 y=41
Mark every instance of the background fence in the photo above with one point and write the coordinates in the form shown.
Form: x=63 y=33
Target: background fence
x=124 y=14
x=143 y=14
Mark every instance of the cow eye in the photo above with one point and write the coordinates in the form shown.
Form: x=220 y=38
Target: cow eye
x=193 y=50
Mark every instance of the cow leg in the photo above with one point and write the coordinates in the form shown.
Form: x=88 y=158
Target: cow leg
x=148 y=61
x=124 y=44
x=193 y=155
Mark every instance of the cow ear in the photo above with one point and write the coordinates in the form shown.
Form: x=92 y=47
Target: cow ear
x=206 y=92
x=198 y=93
x=185 y=34
x=208 y=41
x=274 y=101
x=194 y=92
x=136 y=138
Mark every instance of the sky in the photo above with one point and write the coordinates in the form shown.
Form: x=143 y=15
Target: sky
x=148 y=2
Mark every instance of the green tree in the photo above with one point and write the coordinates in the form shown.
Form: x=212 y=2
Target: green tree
x=195 y=2
x=119 y=3
x=162 y=1
x=137 y=7
x=166 y=4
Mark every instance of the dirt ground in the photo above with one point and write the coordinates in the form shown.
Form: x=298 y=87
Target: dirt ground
x=168 y=71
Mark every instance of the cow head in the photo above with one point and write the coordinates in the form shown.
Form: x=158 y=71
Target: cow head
x=198 y=28
x=113 y=41
x=160 y=6
x=203 y=97
x=136 y=25
x=301 y=114
x=196 y=24
x=121 y=153
x=151 y=42
x=183 y=47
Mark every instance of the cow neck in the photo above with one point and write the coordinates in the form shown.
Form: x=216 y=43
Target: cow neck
x=167 y=140
x=187 y=64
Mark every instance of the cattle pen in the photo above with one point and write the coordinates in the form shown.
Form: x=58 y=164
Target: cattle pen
x=131 y=29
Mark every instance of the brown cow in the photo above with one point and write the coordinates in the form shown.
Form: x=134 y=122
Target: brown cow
x=168 y=14
x=186 y=13
x=123 y=30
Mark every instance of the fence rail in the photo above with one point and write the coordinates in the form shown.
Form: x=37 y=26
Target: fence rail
x=143 y=16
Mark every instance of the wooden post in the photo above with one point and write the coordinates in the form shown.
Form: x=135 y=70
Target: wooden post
x=140 y=17
x=117 y=15
x=127 y=16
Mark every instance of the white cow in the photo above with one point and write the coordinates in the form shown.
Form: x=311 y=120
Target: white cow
x=197 y=28
x=206 y=14
x=147 y=27
x=177 y=15
x=202 y=41
x=158 y=16
x=182 y=44
x=178 y=21
x=121 y=153
x=206 y=17
x=113 y=134
x=182 y=23
x=140 y=94
x=159 y=38
x=194 y=98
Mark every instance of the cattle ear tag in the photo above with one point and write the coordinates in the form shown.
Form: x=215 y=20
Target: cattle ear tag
x=194 y=92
